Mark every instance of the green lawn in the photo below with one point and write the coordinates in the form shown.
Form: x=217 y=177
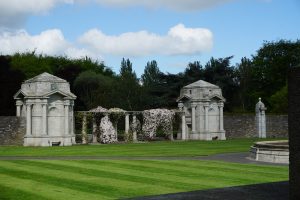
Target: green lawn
x=176 y=148
x=114 y=179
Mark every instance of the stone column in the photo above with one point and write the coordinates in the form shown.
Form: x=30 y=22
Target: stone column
x=28 y=119
x=94 y=130
x=183 y=122
x=263 y=124
x=19 y=104
x=206 y=105
x=84 y=129
x=221 y=125
x=127 y=123
x=134 y=136
x=193 y=105
x=72 y=117
x=44 y=117
x=66 y=106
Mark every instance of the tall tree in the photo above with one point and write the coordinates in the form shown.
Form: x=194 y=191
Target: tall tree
x=152 y=86
x=10 y=82
x=270 y=68
x=128 y=88
x=220 y=72
x=151 y=74
x=246 y=85
x=193 y=72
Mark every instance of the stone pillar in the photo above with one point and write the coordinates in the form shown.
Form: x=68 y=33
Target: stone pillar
x=28 y=119
x=193 y=105
x=206 y=105
x=263 y=124
x=261 y=119
x=183 y=122
x=19 y=104
x=221 y=125
x=134 y=136
x=72 y=124
x=294 y=130
x=94 y=130
x=84 y=129
x=66 y=106
x=44 y=117
x=127 y=123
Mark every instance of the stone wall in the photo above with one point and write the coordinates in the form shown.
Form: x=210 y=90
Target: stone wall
x=243 y=125
x=12 y=130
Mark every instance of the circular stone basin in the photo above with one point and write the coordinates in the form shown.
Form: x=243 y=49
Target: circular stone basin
x=270 y=151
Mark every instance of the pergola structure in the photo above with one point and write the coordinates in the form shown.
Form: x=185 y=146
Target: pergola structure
x=130 y=122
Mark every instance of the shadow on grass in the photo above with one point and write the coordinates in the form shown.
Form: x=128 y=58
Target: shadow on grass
x=274 y=191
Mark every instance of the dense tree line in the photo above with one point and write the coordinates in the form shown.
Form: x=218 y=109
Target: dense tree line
x=263 y=75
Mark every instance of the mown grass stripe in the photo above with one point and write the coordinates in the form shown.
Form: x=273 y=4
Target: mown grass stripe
x=224 y=166
x=187 y=172
x=207 y=178
x=112 y=184
x=174 y=181
x=46 y=190
x=102 y=190
x=228 y=165
x=201 y=179
x=119 y=174
x=8 y=193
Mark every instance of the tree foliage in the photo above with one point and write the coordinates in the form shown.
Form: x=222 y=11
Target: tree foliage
x=263 y=75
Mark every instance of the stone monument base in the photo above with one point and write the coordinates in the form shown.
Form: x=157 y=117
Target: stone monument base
x=47 y=141
x=208 y=136
x=270 y=151
x=205 y=136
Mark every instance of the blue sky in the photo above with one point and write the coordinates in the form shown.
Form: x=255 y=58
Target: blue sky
x=172 y=32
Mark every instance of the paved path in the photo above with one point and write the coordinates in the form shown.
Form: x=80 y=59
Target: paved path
x=228 y=157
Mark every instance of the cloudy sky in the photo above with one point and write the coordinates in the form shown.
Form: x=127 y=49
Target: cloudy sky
x=172 y=32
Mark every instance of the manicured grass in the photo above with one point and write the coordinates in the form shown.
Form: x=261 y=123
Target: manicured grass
x=176 y=148
x=113 y=179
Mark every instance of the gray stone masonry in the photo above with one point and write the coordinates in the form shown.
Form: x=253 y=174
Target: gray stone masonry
x=243 y=125
x=12 y=130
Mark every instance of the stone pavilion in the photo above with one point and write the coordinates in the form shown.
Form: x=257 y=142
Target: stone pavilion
x=202 y=103
x=47 y=104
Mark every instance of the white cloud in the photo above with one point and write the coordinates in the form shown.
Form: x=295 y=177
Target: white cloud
x=179 y=41
x=95 y=44
x=179 y=5
x=14 y=12
x=49 y=42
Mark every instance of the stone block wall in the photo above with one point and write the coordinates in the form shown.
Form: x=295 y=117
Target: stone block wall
x=12 y=130
x=243 y=125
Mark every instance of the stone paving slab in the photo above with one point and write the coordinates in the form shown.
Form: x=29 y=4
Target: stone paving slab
x=265 y=191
